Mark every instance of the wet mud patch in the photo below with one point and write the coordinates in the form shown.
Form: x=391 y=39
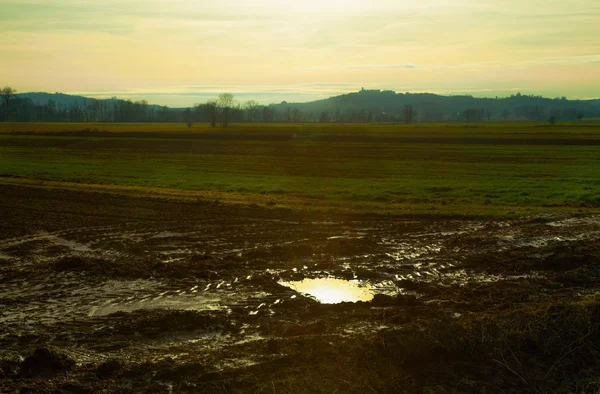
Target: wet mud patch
x=207 y=300
x=103 y=267
x=155 y=323
x=195 y=266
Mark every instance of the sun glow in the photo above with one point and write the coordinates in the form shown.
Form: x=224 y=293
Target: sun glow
x=316 y=5
x=340 y=5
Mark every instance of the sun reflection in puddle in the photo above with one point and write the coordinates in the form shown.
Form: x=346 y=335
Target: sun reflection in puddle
x=332 y=291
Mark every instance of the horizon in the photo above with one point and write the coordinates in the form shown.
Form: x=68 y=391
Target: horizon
x=270 y=51
x=250 y=96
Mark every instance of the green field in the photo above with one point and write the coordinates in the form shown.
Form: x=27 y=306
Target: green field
x=489 y=170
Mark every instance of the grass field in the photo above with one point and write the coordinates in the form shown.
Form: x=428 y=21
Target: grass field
x=486 y=170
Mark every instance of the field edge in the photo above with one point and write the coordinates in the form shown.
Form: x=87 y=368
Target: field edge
x=303 y=205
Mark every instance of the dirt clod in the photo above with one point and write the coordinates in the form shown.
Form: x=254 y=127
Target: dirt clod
x=45 y=362
x=109 y=369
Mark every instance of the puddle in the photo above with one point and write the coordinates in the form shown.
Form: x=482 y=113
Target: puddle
x=211 y=302
x=76 y=246
x=168 y=234
x=333 y=291
x=576 y=222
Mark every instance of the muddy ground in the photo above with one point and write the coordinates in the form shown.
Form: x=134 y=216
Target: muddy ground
x=100 y=293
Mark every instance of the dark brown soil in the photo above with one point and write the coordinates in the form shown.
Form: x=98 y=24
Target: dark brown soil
x=102 y=293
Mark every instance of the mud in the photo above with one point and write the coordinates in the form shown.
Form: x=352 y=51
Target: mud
x=125 y=295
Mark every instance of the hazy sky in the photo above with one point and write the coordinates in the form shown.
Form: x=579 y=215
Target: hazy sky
x=178 y=52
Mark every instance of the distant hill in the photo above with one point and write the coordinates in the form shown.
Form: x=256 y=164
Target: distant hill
x=41 y=98
x=65 y=100
x=433 y=107
x=60 y=107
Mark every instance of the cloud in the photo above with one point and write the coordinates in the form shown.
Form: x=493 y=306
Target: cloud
x=401 y=66
x=360 y=67
x=585 y=59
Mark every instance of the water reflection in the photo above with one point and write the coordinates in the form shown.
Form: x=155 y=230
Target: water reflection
x=332 y=291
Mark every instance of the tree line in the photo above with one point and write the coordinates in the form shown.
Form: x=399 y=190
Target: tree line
x=225 y=110
x=14 y=108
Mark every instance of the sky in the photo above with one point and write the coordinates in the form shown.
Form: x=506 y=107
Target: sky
x=181 y=52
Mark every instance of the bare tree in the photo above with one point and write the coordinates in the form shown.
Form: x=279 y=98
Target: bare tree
x=251 y=107
x=187 y=117
x=552 y=120
x=472 y=114
x=296 y=115
x=324 y=118
x=268 y=114
x=505 y=114
x=212 y=113
x=7 y=93
x=539 y=112
x=408 y=114
x=579 y=116
x=339 y=118
x=225 y=104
